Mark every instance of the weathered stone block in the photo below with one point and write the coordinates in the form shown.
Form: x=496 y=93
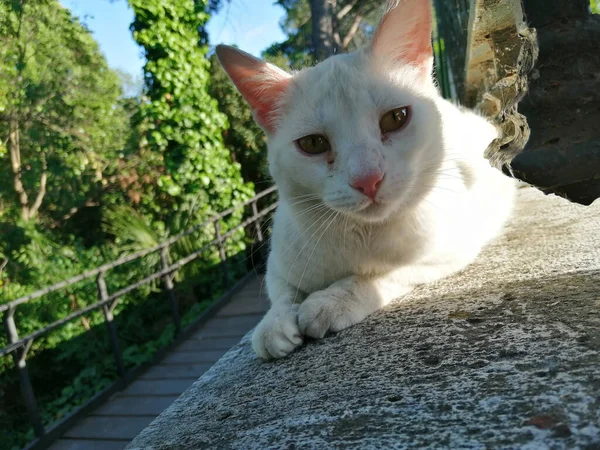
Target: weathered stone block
x=504 y=355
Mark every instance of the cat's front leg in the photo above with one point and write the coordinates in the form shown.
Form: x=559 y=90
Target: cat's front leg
x=345 y=303
x=277 y=334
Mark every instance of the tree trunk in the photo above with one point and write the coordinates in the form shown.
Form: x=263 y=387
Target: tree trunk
x=322 y=29
x=15 y=160
x=14 y=145
x=351 y=32
x=33 y=210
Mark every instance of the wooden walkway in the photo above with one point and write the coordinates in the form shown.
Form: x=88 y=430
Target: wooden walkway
x=117 y=422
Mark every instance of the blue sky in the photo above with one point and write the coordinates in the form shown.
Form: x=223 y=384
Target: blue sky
x=250 y=24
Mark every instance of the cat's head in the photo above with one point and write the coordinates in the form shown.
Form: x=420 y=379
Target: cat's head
x=360 y=131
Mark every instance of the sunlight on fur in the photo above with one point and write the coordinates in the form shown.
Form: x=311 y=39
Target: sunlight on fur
x=366 y=213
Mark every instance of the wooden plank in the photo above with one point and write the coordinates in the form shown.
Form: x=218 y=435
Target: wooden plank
x=218 y=343
x=245 y=303
x=161 y=372
x=114 y=424
x=135 y=406
x=108 y=428
x=152 y=388
x=229 y=326
x=256 y=284
x=230 y=334
x=193 y=357
x=83 y=444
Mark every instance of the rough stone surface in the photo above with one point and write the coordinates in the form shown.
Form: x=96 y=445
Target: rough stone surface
x=503 y=355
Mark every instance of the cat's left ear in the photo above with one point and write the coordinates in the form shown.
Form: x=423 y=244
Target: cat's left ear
x=261 y=84
x=404 y=34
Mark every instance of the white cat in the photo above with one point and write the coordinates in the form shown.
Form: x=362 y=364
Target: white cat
x=382 y=182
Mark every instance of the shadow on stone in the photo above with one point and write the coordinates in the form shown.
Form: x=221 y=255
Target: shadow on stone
x=504 y=354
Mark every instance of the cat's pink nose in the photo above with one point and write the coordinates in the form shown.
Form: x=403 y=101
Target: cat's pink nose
x=368 y=184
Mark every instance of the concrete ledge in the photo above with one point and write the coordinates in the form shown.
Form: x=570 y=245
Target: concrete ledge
x=503 y=355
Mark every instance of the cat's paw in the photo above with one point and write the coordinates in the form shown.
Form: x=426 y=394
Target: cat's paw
x=332 y=309
x=277 y=334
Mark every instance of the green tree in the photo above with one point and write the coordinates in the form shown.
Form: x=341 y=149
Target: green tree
x=180 y=120
x=317 y=29
x=244 y=139
x=59 y=117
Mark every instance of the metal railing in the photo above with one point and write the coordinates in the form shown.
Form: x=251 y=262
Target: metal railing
x=19 y=347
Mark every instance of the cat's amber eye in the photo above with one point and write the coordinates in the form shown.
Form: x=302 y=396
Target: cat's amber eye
x=394 y=119
x=314 y=144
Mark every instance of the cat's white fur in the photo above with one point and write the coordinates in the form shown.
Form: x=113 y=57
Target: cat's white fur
x=336 y=256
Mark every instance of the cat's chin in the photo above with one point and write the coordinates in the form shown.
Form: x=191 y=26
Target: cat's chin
x=372 y=213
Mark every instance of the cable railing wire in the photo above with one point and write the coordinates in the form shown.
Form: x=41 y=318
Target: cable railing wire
x=18 y=347
x=128 y=258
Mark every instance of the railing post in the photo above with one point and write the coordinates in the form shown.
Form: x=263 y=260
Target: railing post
x=24 y=380
x=110 y=324
x=222 y=254
x=259 y=234
x=169 y=287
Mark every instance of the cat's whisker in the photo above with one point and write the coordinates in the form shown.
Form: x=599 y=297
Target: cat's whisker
x=256 y=250
x=448 y=177
x=306 y=243
x=444 y=189
x=254 y=268
x=335 y=216
x=306 y=200
x=346 y=232
x=437 y=167
x=449 y=173
x=303 y=196
x=310 y=194
x=309 y=240
x=291 y=246
x=309 y=212
x=264 y=226
x=438 y=207
x=311 y=209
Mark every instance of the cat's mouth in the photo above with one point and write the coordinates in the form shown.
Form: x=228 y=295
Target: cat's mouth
x=372 y=207
x=365 y=210
x=369 y=211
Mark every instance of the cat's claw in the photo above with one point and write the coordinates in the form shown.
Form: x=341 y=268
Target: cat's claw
x=332 y=309
x=277 y=334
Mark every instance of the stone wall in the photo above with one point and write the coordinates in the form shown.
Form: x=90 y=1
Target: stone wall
x=504 y=355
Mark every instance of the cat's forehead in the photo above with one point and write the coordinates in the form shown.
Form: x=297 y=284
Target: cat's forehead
x=340 y=80
x=338 y=70
x=346 y=84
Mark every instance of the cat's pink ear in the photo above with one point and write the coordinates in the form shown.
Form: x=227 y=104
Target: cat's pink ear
x=404 y=34
x=260 y=83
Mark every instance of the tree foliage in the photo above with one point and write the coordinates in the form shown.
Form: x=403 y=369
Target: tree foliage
x=181 y=121
x=92 y=173
x=317 y=29
x=244 y=139
x=59 y=118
